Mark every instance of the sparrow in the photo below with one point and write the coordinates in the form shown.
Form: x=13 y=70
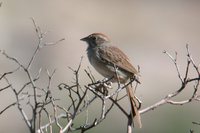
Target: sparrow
x=113 y=64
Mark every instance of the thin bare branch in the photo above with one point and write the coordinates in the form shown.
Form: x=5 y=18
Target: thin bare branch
x=7 y=107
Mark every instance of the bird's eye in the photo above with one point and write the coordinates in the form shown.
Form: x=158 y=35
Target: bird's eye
x=94 y=38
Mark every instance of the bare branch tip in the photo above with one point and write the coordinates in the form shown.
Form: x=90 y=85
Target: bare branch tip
x=40 y=70
x=81 y=58
x=187 y=45
x=62 y=39
x=2 y=51
x=33 y=21
x=47 y=71
x=138 y=67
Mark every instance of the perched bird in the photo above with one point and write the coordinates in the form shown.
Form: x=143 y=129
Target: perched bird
x=109 y=60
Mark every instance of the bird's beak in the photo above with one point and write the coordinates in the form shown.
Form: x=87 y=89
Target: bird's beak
x=84 y=39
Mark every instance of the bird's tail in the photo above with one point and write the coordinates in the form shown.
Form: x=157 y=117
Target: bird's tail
x=134 y=110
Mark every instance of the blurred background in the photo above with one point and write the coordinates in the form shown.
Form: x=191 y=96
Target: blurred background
x=143 y=29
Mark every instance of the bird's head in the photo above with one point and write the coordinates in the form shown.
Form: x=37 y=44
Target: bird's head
x=96 y=39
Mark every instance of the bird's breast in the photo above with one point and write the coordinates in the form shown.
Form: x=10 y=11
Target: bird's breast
x=97 y=63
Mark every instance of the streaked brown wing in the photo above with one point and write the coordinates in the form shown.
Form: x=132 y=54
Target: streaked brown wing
x=115 y=56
